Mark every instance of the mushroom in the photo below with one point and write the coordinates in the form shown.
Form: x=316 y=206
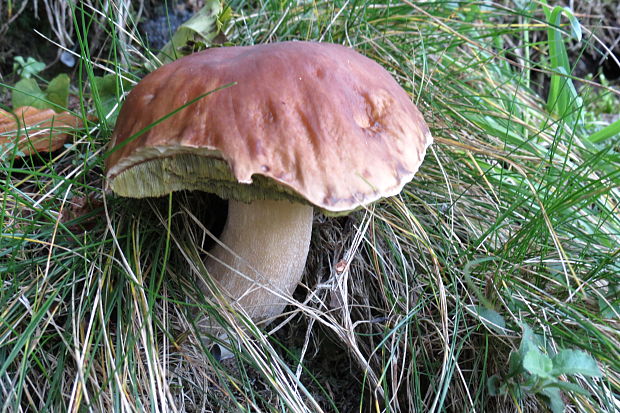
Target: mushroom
x=303 y=125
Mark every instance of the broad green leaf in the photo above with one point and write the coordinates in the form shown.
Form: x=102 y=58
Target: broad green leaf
x=537 y=363
x=529 y=341
x=554 y=17
x=554 y=399
x=575 y=362
x=491 y=318
x=58 y=91
x=27 y=92
x=515 y=363
x=108 y=92
x=202 y=27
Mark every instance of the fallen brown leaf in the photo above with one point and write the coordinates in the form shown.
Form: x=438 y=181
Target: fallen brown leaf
x=79 y=207
x=36 y=130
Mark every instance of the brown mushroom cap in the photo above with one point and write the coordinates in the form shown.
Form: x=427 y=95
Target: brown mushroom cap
x=307 y=121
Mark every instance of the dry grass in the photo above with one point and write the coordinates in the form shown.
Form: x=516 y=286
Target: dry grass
x=511 y=211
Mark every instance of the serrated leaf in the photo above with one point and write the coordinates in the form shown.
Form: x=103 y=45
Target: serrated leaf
x=58 y=91
x=537 y=363
x=27 y=92
x=575 y=362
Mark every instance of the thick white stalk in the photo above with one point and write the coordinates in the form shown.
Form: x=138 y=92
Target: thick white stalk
x=265 y=245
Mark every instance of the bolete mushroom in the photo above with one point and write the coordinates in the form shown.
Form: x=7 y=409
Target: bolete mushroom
x=304 y=125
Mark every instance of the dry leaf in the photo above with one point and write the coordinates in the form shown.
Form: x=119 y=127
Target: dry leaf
x=79 y=207
x=36 y=130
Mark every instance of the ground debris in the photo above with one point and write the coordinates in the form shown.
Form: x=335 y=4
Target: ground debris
x=35 y=130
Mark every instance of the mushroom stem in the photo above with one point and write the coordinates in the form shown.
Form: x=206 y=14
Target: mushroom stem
x=265 y=245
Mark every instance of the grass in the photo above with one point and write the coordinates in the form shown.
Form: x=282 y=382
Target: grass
x=512 y=220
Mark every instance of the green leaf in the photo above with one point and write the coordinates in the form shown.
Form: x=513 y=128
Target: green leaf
x=58 y=91
x=108 y=89
x=563 y=98
x=554 y=399
x=27 y=68
x=27 y=92
x=555 y=16
x=494 y=386
x=609 y=305
x=223 y=18
x=491 y=318
x=575 y=362
x=529 y=341
x=202 y=27
x=515 y=363
x=569 y=387
x=537 y=363
x=575 y=27
x=605 y=133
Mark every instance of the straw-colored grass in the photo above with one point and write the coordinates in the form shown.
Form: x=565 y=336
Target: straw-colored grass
x=409 y=305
